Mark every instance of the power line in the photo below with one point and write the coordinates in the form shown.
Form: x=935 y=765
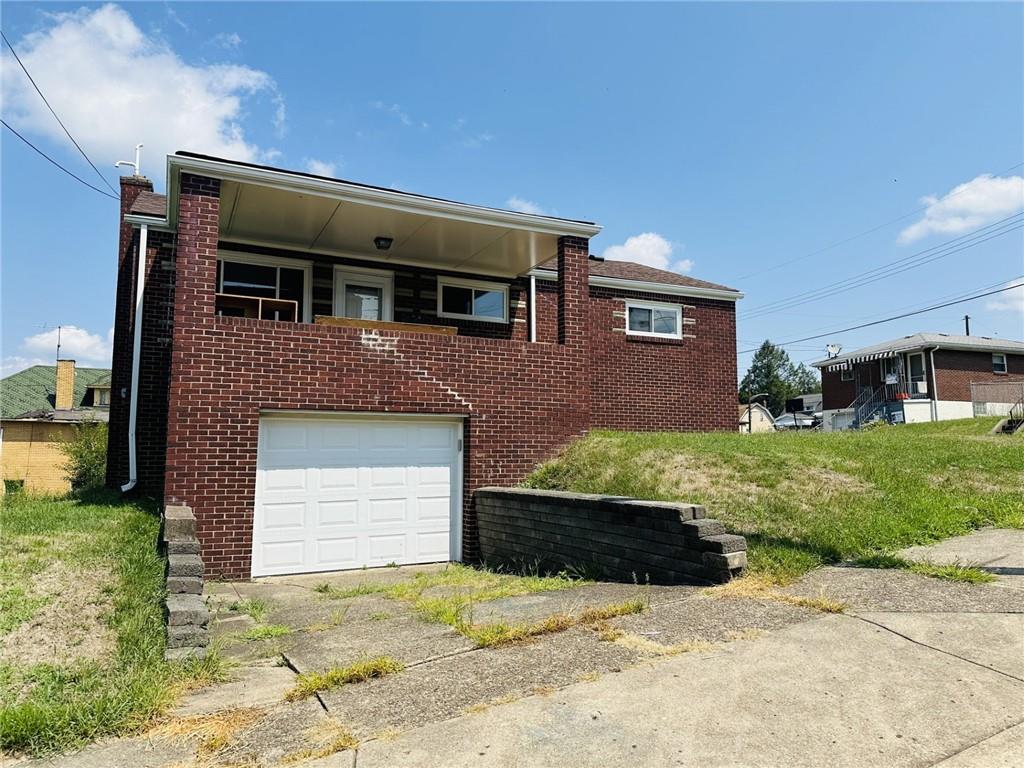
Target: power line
x=54 y=162
x=854 y=237
x=895 y=317
x=52 y=112
x=944 y=250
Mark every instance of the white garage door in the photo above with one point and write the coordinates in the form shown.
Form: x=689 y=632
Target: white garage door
x=335 y=493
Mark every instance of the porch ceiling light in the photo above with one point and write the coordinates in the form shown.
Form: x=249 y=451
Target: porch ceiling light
x=383 y=243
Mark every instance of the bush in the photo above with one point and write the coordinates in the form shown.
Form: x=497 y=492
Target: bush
x=86 y=452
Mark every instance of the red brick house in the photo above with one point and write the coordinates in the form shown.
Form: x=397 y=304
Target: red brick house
x=922 y=377
x=327 y=370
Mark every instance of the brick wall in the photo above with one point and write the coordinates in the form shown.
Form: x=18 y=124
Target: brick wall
x=124 y=331
x=955 y=370
x=836 y=393
x=225 y=370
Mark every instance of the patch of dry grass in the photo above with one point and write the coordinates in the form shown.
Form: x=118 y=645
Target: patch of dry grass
x=483 y=706
x=759 y=587
x=311 y=683
x=500 y=633
x=649 y=647
x=333 y=737
x=212 y=731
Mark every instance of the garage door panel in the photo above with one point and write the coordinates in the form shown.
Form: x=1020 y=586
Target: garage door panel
x=285 y=479
x=383 y=511
x=338 y=553
x=338 y=478
x=281 y=556
x=356 y=492
x=334 y=513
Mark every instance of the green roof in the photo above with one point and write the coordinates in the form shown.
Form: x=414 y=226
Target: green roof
x=33 y=389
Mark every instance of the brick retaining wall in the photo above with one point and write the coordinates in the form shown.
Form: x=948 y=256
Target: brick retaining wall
x=622 y=538
x=184 y=610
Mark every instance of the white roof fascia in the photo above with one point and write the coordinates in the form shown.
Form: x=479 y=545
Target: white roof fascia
x=644 y=286
x=399 y=201
x=153 y=222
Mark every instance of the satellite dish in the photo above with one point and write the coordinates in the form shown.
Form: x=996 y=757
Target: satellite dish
x=833 y=349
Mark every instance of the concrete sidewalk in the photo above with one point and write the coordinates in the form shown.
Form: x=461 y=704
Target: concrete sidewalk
x=996 y=550
x=837 y=691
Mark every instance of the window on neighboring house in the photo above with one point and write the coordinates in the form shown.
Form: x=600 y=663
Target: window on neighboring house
x=364 y=294
x=846 y=374
x=998 y=363
x=662 y=320
x=262 y=277
x=472 y=300
x=101 y=397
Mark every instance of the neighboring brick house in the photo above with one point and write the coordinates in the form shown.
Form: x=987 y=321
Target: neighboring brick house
x=922 y=377
x=327 y=370
x=39 y=408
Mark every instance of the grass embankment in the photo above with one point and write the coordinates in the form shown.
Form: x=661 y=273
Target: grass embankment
x=805 y=499
x=81 y=590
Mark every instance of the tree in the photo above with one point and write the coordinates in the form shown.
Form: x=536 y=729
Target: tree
x=771 y=372
x=86 y=454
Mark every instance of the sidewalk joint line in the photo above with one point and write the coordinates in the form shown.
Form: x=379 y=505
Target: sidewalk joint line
x=939 y=650
x=972 y=746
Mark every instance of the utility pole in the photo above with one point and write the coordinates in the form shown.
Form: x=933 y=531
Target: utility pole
x=967 y=325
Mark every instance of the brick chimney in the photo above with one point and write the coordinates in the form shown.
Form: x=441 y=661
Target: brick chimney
x=65 y=397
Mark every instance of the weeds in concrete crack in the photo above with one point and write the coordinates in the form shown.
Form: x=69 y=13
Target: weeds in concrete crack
x=312 y=683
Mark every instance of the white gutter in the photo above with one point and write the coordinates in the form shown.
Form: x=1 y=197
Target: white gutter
x=645 y=286
x=140 y=286
x=533 y=307
x=935 y=386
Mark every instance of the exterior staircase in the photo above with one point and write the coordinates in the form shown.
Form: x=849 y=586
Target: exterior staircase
x=1013 y=422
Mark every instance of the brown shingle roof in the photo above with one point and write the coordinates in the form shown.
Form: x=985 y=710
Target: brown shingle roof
x=149 y=204
x=628 y=270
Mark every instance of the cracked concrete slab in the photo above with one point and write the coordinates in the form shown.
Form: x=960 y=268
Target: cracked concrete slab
x=1001 y=750
x=870 y=589
x=994 y=640
x=999 y=551
x=447 y=688
x=834 y=691
x=406 y=639
x=249 y=687
x=540 y=605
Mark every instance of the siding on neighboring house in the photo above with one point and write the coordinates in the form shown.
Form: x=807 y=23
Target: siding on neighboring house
x=31 y=454
x=957 y=369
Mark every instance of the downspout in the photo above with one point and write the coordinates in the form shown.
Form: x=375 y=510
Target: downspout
x=140 y=286
x=533 y=307
x=935 y=386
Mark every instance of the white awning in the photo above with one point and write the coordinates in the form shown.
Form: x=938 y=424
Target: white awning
x=849 y=362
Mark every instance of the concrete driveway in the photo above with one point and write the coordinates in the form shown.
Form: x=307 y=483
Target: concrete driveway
x=915 y=672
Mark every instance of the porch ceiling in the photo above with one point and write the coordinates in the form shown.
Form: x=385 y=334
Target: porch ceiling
x=310 y=222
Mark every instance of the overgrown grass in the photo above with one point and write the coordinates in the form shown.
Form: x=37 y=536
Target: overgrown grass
x=805 y=499
x=266 y=632
x=52 y=707
x=950 y=572
x=256 y=607
x=311 y=683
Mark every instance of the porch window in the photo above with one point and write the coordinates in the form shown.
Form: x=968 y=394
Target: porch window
x=998 y=363
x=662 y=320
x=472 y=300
x=364 y=294
x=279 y=286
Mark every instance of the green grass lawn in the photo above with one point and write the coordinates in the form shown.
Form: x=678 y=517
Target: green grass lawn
x=805 y=499
x=96 y=667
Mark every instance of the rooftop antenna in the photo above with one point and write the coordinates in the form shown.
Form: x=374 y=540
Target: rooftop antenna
x=134 y=165
x=833 y=350
x=58 y=341
x=967 y=325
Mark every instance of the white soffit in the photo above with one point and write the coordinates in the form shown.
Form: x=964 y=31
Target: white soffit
x=251 y=213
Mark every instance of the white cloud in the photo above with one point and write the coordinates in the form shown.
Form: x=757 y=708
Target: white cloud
x=980 y=201
x=522 y=205
x=227 y=40
x=14 y=364
x=76 y=344
x=648 y=248
x=320 y=167
x=398 y=112
x=478 y=140
x=115 y=87
x=1010 y=301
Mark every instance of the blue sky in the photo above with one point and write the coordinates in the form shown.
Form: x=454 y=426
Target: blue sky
x=726 y=140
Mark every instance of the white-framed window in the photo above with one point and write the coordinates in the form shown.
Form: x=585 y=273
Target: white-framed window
x=267 y=277
x=472 y=300
x=915 y=367
x=846 y=374
x=644 y=318
x=365 y=294
x=998 y=363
